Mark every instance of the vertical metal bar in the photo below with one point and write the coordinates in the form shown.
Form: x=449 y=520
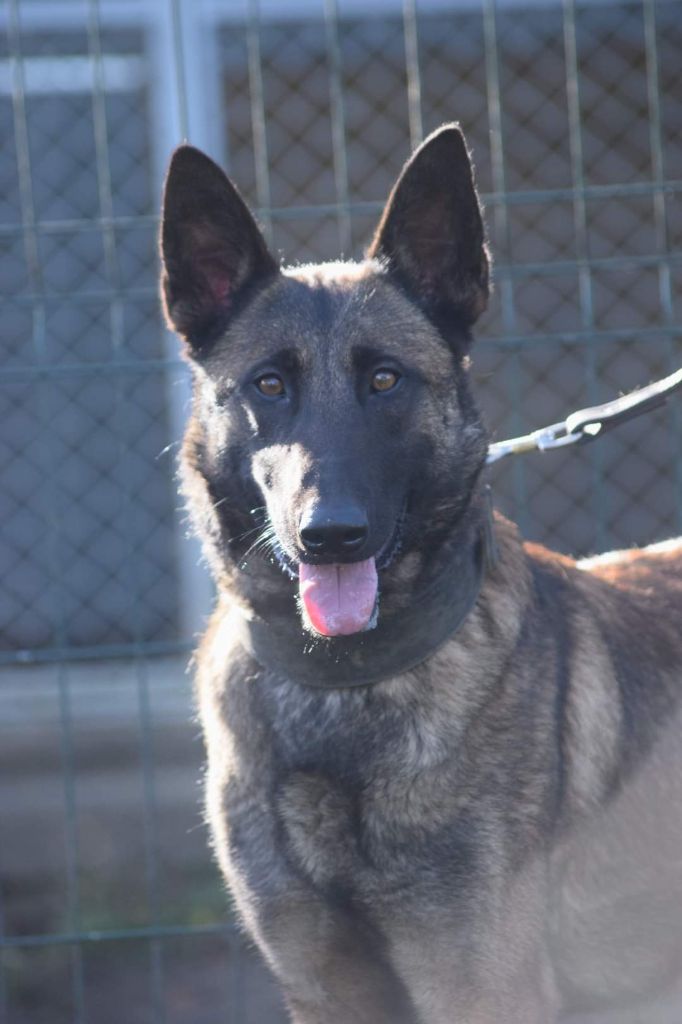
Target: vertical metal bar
x=597 y=502
x=28 y=216
x=151 y=838
x=260 y=138
x=657 y=161
x=50 y=512
x=72 y=845
x=656 y=146
x=103 y=164
x=3 y=984
x=495 y=118
x=331 y=17
x=169 y=28
x=198 y=116
x=236 y=988
x=116 y=319
x=414 y=80
x=665 y=290
x=577 y=166
x=497 y=153
x=180 y=69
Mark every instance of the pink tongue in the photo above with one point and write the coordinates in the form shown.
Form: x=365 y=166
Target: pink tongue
x=339 y=599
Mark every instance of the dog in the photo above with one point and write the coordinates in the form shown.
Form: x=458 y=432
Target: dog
x=444 y=765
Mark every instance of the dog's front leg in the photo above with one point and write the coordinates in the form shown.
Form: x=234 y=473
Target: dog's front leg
x=444 y=991
x=479 y=958
x=332 y=965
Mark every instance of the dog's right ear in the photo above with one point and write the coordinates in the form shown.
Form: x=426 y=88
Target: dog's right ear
x=211 y=248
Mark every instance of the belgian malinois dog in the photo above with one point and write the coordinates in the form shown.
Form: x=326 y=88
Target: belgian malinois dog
x=444 y=766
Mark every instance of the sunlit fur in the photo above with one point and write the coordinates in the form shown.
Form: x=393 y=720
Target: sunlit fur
x=494 y=836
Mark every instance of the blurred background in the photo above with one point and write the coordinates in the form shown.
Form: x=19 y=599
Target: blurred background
x=110 y=906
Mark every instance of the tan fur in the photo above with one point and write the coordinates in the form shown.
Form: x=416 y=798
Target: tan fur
x=453 y=714
x=493 y=836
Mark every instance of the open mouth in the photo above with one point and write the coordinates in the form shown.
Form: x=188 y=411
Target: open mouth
x=339 y=599
x=336 y=599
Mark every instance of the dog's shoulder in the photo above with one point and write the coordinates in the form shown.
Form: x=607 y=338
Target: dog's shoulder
x=639 y=568
x=640 y=571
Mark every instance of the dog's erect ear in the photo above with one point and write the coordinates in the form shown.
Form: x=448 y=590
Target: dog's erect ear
x=211 y=248
x=431 y=233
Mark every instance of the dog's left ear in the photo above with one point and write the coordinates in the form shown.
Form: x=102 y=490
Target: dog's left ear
x=431 y=234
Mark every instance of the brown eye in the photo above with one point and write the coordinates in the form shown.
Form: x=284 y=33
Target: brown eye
x=270 y=385
x=384 y=380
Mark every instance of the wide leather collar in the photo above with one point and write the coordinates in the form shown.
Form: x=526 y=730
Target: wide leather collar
x=398 y=643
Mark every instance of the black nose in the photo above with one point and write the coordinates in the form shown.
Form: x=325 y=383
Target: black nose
x=333 y=531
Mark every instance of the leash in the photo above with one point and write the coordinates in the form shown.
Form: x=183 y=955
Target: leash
x=591 y=423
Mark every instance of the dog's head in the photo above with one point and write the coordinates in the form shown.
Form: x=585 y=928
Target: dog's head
x=333 y=427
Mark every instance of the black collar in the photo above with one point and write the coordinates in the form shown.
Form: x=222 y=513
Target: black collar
x=398 y=642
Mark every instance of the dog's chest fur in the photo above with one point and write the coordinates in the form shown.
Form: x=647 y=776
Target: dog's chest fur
x=370 y=799
x=366 y=791
x=346 y=778
x=497 y=829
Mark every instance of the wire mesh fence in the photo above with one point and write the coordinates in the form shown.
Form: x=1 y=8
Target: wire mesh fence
x=109 y=906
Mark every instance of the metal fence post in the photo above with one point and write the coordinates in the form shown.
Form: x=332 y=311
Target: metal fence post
x=185 y=98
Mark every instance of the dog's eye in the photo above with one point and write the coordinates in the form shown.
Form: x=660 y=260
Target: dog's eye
x=384 y=380
x=270 y=385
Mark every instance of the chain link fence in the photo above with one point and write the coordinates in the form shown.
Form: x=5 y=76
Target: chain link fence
x=110 y=908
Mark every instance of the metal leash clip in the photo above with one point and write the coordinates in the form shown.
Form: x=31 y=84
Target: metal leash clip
x=588 y=424
x=543 y=440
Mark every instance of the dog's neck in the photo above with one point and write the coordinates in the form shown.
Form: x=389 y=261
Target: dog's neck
x=397 y=643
